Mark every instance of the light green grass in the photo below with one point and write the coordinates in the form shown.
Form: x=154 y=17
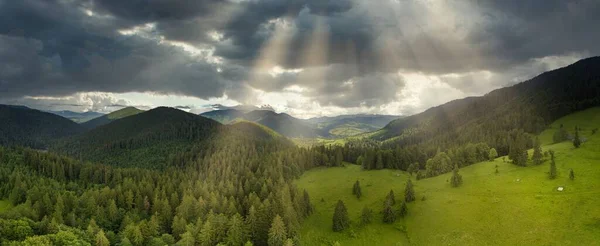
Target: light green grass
x=518 y=206
x=4 y=205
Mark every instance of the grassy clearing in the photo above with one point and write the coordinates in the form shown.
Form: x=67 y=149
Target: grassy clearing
x=517 y=206
x=4 y=205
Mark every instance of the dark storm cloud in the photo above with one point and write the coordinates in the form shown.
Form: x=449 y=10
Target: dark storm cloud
x=57 y=48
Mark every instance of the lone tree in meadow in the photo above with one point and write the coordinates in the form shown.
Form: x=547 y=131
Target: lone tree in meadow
x=560 y=135
x=571 y=174
x=340 y=217
x=366 y=216
x=388 y=213
x=577 y=139
x=308 y=207
x=537 y=152
x=456 y=179
x=552 y=173
x=409 y=192
x=403 y=210
x=356 y=190
x=390 y=198
x=493 y=154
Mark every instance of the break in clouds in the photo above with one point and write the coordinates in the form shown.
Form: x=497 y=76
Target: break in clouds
x=299 y=56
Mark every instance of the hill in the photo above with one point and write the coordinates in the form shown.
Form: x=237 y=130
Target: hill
x=350 y=125
x=153 y=138
x=224 y=116
x=76 y=116
x=530 y=106
x=283 y=123
x=482 y=210
x=105 y=119
x=33 y=128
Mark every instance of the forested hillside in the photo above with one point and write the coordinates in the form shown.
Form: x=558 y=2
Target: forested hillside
x=236 y=189
x=33 y=128
x=108 y=118
x=224 y=116
x=462 y=132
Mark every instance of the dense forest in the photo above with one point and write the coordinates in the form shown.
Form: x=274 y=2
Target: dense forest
x=23 y=126
x=234 y=194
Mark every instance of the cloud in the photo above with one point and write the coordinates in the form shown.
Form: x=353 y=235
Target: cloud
x=332 y=55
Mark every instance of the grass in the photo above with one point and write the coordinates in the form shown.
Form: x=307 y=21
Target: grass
x=517 y=206
x=4 y=205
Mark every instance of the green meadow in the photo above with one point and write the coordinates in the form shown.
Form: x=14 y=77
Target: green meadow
x=517 y=206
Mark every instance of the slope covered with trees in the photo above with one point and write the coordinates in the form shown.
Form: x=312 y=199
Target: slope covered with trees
x=33 y=128
x=465 y=131
x=108 y=118
x=224 y=116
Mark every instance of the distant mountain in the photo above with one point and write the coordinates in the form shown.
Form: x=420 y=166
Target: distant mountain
x=224 y=116
x=282 y=123
x=349 y=125
x=152 y=138
x=23 y=126
x=76 y=116
x=105 y=119
x=529 y=106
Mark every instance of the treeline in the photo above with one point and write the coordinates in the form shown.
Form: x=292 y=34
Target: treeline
x=239 y=193
x=491 y=119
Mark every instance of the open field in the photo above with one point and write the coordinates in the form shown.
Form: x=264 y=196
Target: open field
x=517 y=206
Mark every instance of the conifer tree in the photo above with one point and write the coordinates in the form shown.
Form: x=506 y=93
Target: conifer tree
x=577 y=139
x=456 y=179
x=552 y=174
x=101 y=239
x=340 y=217
x=571 y=175
x=537 y=152
x=308 y=207
x=277 y=232
x=236 y=235
x=403 y=210
x=390 y=198
x=356 y=190
x=366 y=216
x=409 y=192
x=389 y=216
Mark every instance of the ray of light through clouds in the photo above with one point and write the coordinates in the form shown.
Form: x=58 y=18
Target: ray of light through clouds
x=304 y=57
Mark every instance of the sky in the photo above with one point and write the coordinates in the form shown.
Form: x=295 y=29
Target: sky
x=307 y=58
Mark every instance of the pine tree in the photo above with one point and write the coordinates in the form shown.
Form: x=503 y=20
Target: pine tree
x=308 y=207
x=207 y=235
x=277 y=232
x=403 y=210
x=390 y=198
x=456 y=179
x=537 y=152
x=409 y=192
x=101 y=239
x=356 y=189
x=571 y=175
x=388 y=213
x=340 y=217
x=366 y=216
x=552 y=173
x=577 y=139
x=236 y=235
x=560 y=135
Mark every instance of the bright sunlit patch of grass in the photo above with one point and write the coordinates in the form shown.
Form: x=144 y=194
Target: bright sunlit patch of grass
x=517 y=206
